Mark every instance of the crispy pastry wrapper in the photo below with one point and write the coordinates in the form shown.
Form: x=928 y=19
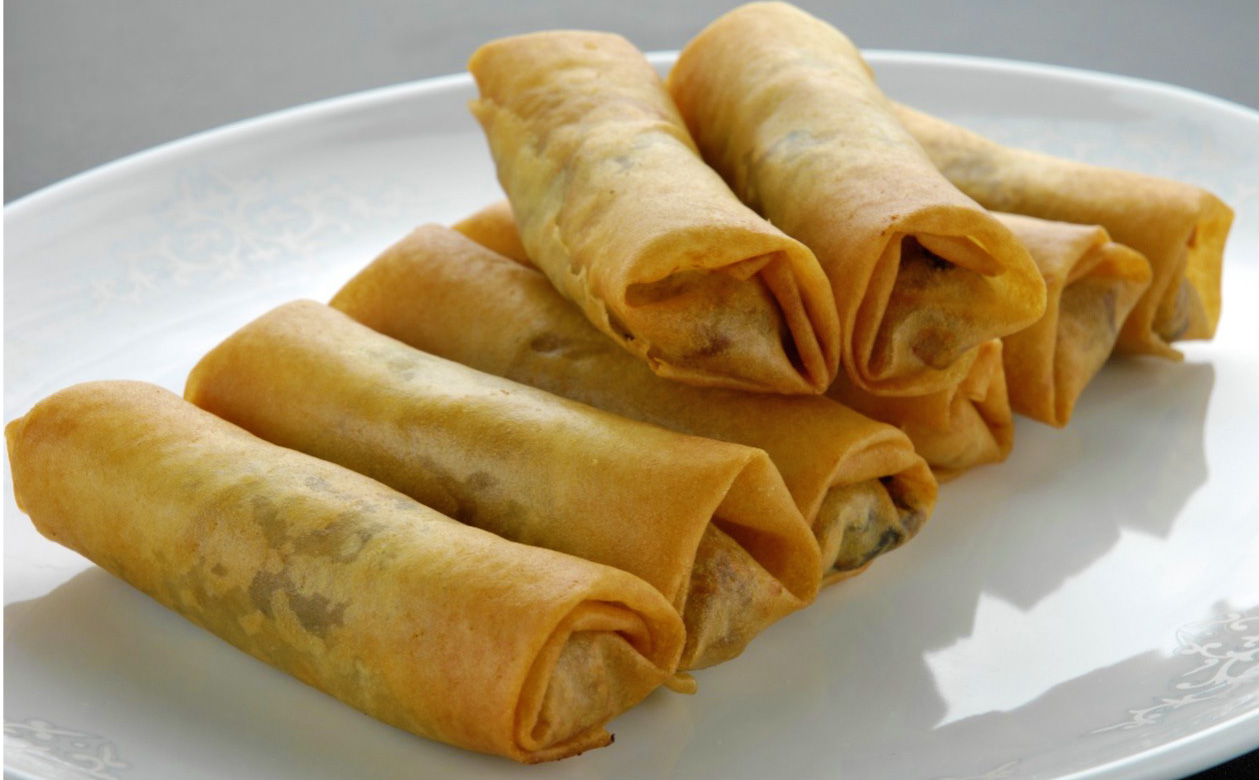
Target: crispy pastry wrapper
x=786 y=109
x=1180 y=228
x=955 y=429
x=494 y=227
x=444 y=630
x=710 y=524
x=441 y=292
x=619 y=211
x=1093 y=283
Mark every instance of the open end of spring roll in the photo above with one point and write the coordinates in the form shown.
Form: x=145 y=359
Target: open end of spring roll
x=444 y=630
x=441 y=292
x=1092 y=283
x=1180 y=228
x=616 y=207
x=855 y=520
x=708 y=523
x=785 y=108
x=955 y=429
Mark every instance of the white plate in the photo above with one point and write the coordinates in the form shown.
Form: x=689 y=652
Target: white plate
x=1088 y=609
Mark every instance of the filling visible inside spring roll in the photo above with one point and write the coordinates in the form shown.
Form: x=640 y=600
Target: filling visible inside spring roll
x=441 y=629
x=441 y=292
x=1181 y=229
x=527 y=465
x=616 y=207
x=1093 y=284
x=786 y=109
x=863 y=521
x=955 y=429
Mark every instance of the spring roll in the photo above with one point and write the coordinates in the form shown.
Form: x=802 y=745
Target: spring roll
x=857 y=482
x=956 y=429
x=619 y=211
x=1180 y=228
x=494 y=227
x=786 y=109
x=710 y=524
x=1093 y=283
x=425 y=623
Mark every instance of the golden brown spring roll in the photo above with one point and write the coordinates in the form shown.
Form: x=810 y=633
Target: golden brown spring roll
x=494 y=227
x=1180 y=228
x=617 y=208
x=955 y=429
x=785 y=108
x=710 y=524
x=425 y=623
x=1093 y=283
x=858 y=482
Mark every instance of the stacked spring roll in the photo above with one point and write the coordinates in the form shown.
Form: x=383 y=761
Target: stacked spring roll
x=1180 y=228
x=710 y=524
x=955 y=429
x=620 y=212
x=1093 y=285
x=423 y=622
x=1041 y=371
x=962 y=426
x=785 y=108
x=858 y=482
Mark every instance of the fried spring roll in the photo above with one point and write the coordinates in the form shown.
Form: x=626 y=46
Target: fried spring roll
x=1180 y=228
x=494 y=227
x=955 y=429
x=441 y=292
x=710 y=524
x=425 y=623
x=785 y=108
x=619 y=211
x=1093 y=284
x=969 y=424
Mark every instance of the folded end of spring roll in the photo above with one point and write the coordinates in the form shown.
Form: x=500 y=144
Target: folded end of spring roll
x=710 y=524
x=955 y=429
x=616 y=207
x=1181 y=229
x=440 y=629
x=785 y=108
x=956 y=287
x=880 y=496
x=1093 y=284
x=438 y=290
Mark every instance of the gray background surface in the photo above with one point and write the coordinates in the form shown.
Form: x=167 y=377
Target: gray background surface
x=89 y=81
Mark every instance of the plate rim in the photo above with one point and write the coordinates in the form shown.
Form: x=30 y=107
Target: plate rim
x=359 y=100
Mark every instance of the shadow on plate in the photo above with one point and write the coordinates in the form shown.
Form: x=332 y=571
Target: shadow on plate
x=105 y=682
